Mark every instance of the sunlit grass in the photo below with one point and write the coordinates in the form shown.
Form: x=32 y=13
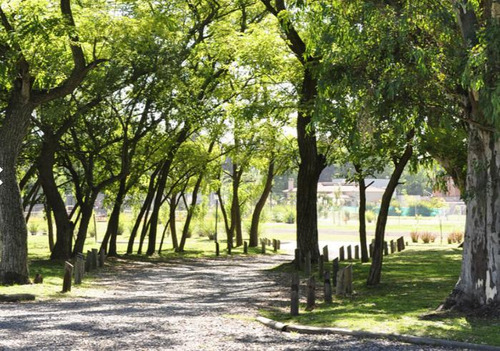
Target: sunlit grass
x=414 y=283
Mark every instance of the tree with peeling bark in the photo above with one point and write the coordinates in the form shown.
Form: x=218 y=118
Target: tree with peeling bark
x=479 y=283
x=29 y=83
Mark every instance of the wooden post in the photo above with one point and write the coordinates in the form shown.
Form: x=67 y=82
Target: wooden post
x=279 y=244
x=335 y=271
x=393 y=246
x=68 y=273
x=341 y=254
x=386 y=248
x=325 y=254
x=294 y=305
x=79 y=268
x=263 y=247
x=401 y=244
x=328 y=288
x=339 y=287
x=245 y=247
x=308 y=264
x=311 y=294
x=321 y=267
x=349 y=253
x=88 y=261
x=94 y=262
x=275 y=245
x=102 y=258
x=356 y=252
x=217 y=248
x=297 y=259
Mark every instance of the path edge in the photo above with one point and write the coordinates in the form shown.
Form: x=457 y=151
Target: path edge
x=301 y=329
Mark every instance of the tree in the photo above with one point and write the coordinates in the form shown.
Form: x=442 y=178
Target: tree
x=23 y=92
x=479 y=282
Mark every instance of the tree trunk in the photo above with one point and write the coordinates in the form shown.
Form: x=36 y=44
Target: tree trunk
x=378 y=249
x=86 y=209
x=145 y=207
x=259 y=206
x=235 y=205
x=114 y=221
x=64 y=229
x=227 y=226
x=50 y=228
x=310 y=167
x=190 y=212
x=14 y=246
x=171 y=215
x=362 y=212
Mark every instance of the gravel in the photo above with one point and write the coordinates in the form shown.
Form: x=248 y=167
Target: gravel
x=180 y=305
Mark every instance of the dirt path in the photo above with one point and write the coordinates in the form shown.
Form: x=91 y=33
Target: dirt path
x=188 y=305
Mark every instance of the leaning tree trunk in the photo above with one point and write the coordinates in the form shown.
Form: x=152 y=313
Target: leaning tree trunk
x=171 y=220
x=259 y=206
x=311 y=165
x=114 y=221
x=378 y=248
x=235 y=205
x=86 y=209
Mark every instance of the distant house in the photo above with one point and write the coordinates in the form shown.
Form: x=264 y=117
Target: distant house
x=346 y=193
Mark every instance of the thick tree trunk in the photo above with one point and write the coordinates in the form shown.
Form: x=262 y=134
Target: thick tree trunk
x=14 y=246
x=259 y=206
x=311 y=165
x=86 y=209
x=64 y=229
x=378 y=249
x=362 y=218
x=479 y=282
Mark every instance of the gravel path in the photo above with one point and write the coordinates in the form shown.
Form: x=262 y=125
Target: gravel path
x=182 y=305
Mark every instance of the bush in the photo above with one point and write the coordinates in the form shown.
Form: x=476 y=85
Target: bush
x=206 y=228
x=370 y=216
x=455 y=237
x=414 y=236
x=428 y=237
x=33 y=228
x=283 y=214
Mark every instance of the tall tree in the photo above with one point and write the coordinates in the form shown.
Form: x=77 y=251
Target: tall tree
x=24 y=92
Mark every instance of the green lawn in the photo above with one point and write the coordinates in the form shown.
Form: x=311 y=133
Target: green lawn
x=414 y=283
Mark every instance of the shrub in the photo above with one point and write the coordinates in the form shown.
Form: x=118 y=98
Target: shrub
x=414 y=236
x=290 y=216
x=370 y=216
x=428 y=237
x=455 y=237
x=206 y=228
x=33 y=228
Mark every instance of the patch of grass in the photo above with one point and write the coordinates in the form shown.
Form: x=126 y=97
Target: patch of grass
x=414 y=283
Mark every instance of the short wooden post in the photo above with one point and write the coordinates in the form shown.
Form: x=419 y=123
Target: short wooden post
x=102 y=258
x=308 y=264
x=325 y=254
x=401 y=244
x=349 y=253
x=341 y=254
x=294 y=305
x=339 y=287
x=348 y=279
x=79 y=268
x=321 y=267
x=386 y=248
x=335 y=271
x=393 y=246
x=327 y=288
x=311 y=293
x=275 y=245
x=245 y=247
x=297 y=259
x=38 y=279
x=279 y=244
x=263 y=247
x=68 y=274
x=356 y=252
x=95 y=259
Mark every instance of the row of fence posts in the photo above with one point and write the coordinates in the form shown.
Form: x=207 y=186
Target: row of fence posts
x=340 y=280
x=82 y=265
x=264 y=242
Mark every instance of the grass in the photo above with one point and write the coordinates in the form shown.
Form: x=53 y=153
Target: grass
x=414 y=283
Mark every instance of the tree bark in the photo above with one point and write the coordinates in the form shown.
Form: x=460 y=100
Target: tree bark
x=235 y=205
x=259 y=206
x=86 y=210
x=378 y=248
x=362 y=214
x=171 y=215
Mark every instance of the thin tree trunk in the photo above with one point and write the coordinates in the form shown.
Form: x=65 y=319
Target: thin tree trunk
x=190 y=212
x=362 y=214
x=229 y=230
x=259 y=206
x=235 y=205
x=86 y=210
x=171 y=219
x=378 y=249
x=50 y=228
x=114 y=221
